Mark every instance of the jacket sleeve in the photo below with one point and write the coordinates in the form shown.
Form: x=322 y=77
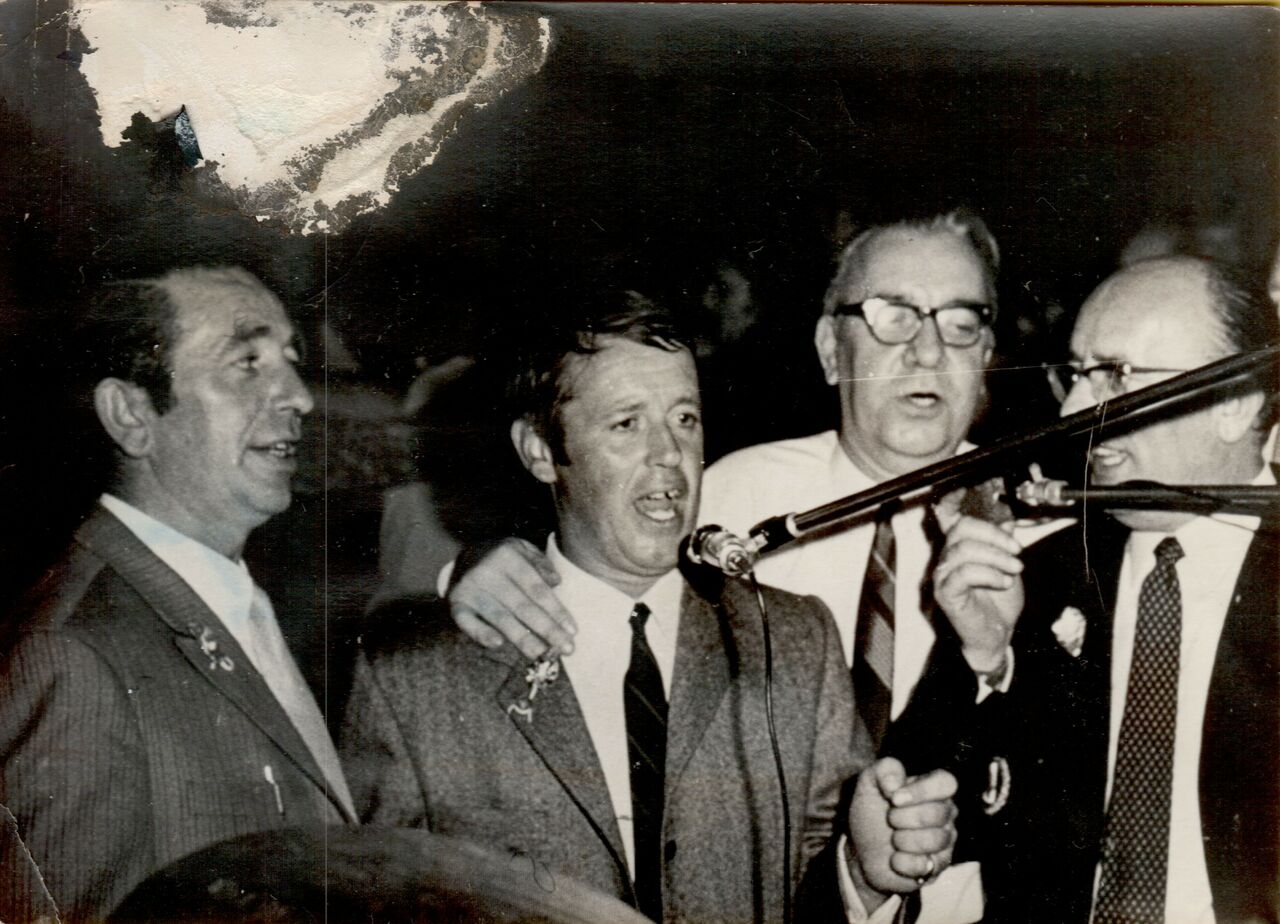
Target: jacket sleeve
x=74 y=773
x=375 y=757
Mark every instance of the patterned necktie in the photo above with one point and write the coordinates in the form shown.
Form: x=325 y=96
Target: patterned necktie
x=873 y=639
x=270 y=655
x=1136 y=848
x=645 y=703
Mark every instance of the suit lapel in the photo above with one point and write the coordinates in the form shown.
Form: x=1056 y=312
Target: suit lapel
x=201 y=637
x=553 y=725
x=703 y=673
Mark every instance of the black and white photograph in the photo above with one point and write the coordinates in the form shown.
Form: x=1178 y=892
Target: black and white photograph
x=703 y=463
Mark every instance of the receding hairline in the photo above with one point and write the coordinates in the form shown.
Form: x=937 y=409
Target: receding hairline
x=963 y=226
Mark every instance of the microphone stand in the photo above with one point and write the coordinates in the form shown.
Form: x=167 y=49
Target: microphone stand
x=1242 y=370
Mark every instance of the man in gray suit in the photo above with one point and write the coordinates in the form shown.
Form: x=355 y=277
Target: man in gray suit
x=641 y=763
x=148 y=704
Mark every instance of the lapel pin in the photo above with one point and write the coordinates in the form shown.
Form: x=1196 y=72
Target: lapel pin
x=209 y=646
x=541 y=674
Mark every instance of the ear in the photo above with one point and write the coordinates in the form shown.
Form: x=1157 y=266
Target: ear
x=126 y=413
x=824 y=340
x=1234 y=417
x=533 y=450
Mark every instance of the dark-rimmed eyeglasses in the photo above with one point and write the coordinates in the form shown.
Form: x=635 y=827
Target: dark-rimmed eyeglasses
x=960 y=324
x=1108 y=379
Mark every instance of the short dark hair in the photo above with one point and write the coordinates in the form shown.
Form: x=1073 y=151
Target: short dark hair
x=539 y=387
x=960 y=221
x=129 y=329
x=128 y=333
x=1249 y=322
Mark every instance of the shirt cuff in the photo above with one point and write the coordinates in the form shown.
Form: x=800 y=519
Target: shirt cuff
x=996 y=681
x=854 y=911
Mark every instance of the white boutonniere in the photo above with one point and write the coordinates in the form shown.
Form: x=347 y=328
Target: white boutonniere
x=541 y=673
x=209 y=645
x=1069 y=631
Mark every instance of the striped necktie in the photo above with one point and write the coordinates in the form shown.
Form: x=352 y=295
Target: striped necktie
x=1135 y=862
x=645 y=704
x=873 y=639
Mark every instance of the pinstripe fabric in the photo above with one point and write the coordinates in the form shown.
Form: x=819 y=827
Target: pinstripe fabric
x=123 y=744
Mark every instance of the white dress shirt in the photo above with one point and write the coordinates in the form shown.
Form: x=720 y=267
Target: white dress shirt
x=598 y=666
x=1214 y=550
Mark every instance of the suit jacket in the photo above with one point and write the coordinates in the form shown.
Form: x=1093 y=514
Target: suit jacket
x=1040 y=851
x=429 y=740
x=134 y=730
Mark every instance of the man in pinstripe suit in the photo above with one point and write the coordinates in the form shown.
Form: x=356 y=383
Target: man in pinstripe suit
x=148 y=704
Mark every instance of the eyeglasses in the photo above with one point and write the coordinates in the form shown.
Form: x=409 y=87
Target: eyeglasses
x=959 y=325
x=1107 y=380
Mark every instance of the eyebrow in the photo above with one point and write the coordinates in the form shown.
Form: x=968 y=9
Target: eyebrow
x=243 y=334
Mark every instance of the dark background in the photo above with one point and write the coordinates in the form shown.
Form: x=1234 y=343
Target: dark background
x=658 y=145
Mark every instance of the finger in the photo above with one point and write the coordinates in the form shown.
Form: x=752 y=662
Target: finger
x=925 y=815
x=474 y=627
x=534 y=556
x=915 y=866
x=502 y=617
x=973 y=529
x=932 y=787
x=924 y=841
x=889 y=775
x=538 y=622
x=973 y=550
x=971 y=576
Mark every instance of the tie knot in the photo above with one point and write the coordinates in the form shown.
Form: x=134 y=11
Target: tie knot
x=1168 y=551
x=639 y=616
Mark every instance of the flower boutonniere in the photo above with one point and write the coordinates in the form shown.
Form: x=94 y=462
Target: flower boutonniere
x=1069 y=631
x=209 y=646
x=541 y=673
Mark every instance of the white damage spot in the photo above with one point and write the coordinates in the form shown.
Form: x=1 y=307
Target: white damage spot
x=306 y=112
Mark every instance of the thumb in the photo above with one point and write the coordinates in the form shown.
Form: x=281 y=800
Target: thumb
x=890 y=776
x=947 y=509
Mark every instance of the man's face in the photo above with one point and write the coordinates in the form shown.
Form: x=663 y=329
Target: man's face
x=906 y=405
x=633 y=436
x=1159 y=316
x=223 y=454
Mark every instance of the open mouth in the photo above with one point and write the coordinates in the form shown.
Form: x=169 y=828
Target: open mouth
x=660 y=506
x=922 y=399
x=1105 y=457
x=282 y=449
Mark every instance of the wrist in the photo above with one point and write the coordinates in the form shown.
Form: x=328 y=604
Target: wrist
x=871 y=897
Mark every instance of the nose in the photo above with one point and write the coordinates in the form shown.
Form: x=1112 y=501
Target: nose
x=1078 y=398
x=926 y=347
x=293 y=394
x=664 y=447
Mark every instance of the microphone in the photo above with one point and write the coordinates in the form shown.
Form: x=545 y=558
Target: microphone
x=716 y=546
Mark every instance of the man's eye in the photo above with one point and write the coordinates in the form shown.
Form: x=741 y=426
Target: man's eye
x=627 y=423
x=689 y=419
x=248 y=362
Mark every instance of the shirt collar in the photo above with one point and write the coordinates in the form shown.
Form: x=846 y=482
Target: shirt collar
x=226 y=587
x=584 y=593
x=1203 y=534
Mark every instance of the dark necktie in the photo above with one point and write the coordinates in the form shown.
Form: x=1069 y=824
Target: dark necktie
x=873 y=639
x=645 y=703
x=1135 y=858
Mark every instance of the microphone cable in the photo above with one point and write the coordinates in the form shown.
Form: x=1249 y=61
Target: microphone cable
x=773 y=743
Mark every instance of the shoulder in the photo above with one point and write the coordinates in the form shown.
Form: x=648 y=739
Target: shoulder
x=789 y=456
x=417 y=644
